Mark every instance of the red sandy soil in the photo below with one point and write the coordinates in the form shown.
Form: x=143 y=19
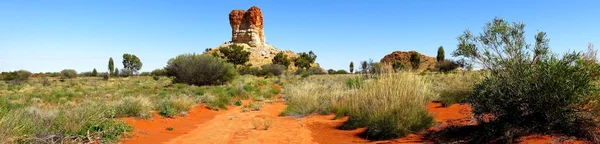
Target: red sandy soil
x=235 y=126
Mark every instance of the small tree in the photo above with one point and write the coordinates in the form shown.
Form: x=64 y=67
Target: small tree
x=94 y=72
x=351 y=67
x=111 y=66
x=363 y=67
x=415 y=60
x=132 y=63
x=528 y=89
x=68 y=74
x=281 y=59
x=304 y=60
x=440 y=54
x=235 y=54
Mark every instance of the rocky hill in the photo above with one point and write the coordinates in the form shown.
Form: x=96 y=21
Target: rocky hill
x=404 y=58
x=247 y=30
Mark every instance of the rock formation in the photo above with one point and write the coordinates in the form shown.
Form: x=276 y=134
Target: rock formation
x=247 y=27
x=404 y=58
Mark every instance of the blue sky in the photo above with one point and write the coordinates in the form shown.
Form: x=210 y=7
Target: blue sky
x=51 y=35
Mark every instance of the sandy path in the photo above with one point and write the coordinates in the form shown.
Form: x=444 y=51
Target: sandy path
x=236 y=126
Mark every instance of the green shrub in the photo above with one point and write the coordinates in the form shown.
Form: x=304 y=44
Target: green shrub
x=446 y=66
x=273 y=69
x=68 y=74
x=156 y=78
x=235 y=54
x=200 y=70
x=528 y=89
x=15 y=77
x=415 y=59
x=341 y=72
x=105 y=76
x=159 y=72
x=316 y=70
x=281 y=59
x=354 y=82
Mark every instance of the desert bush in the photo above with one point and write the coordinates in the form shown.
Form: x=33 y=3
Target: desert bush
x=145 y=74
x=528 y=90
x=281 y=59
x=446 y=66
x=159 y=72
x=132 y=64
x=68 y=74
x=354 y=82
x=304 y=60
x=453 y=88
x=15 y=77
x=200 y=70
x=105 y=76
x=235 y=54
x=135 y=107
x=315 y=70
x=86 y=74
x=274 y=69
x=415 y=59
x=341 y=72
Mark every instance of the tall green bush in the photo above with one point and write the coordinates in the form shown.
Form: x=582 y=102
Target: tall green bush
x=196 y=69
x=68 y=74
x=528 y=89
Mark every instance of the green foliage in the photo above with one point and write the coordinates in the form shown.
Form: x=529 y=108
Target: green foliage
x=94 y=72
x=415 y=59
x=397 y=66
x=68 y=74
x=274 y=69
x=304 y=60
x=316 y=70
x=196 y=69
x=341 y=72
x=351 y=67
x=136 y=107
x=132 y=63
x=330 y=71
x=440 y=54
x=111 y=66
x=159 y=72
x=364 y=67
x=235 y=54
x=281 y=59
x=156 y=78
x=528 y=89
x=446 y=66
x=15 y=77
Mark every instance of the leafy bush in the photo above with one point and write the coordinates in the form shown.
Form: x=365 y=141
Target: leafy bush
x=159 y=72
x=249 y=70
x=341 y=72
x=235 y=54
x=68 y=74
x=304 y=60
x=446 y=65
x=354 y=82
x=415 y=59
x=105 y=76
x=281 y=59
x=316 y=70
x=274 y=69
x=330 y=71
x=15 y=77
x=529 y=90
x=131 y=63
x=196 y=69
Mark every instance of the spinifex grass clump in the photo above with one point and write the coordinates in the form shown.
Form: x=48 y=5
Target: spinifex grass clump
x=528 y=89
x=389 y=107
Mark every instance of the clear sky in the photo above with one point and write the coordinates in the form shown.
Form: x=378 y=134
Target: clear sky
x=51 y=35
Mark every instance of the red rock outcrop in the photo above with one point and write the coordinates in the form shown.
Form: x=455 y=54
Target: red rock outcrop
x=247 y=26
x=404 y=58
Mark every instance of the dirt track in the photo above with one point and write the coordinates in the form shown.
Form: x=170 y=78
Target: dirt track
x=235 y=126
